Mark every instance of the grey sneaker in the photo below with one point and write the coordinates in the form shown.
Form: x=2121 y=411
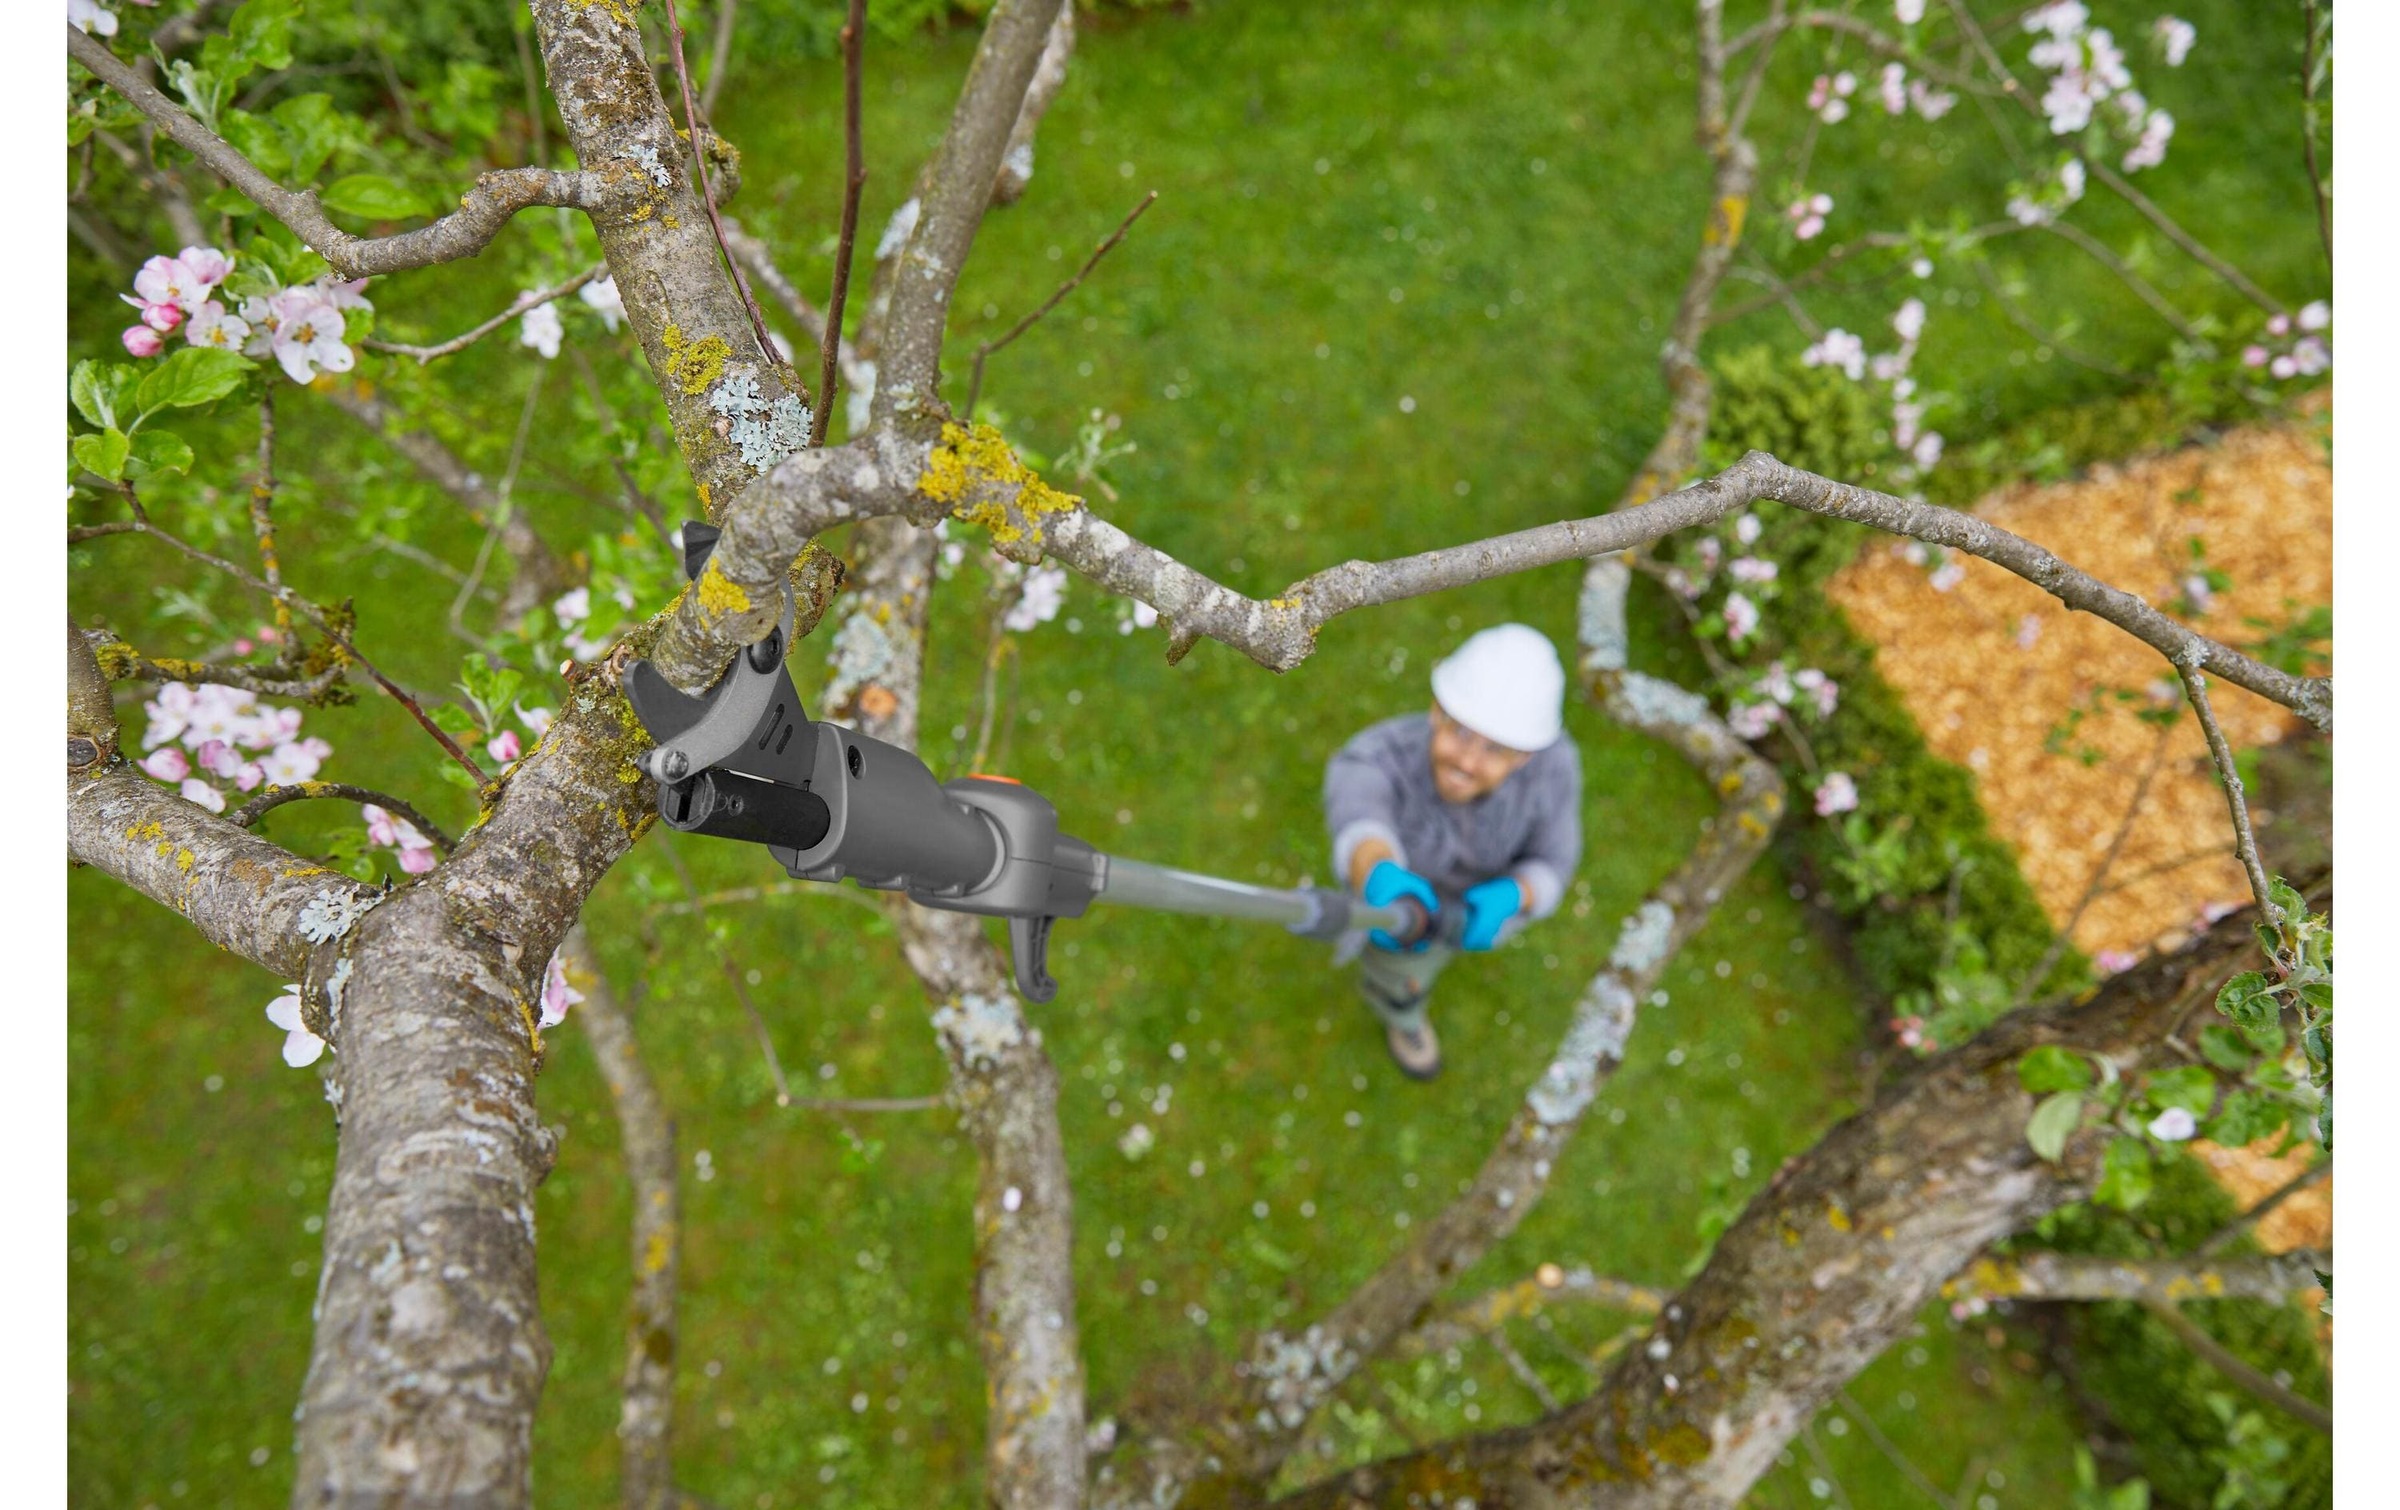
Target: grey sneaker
x=1419 y=1054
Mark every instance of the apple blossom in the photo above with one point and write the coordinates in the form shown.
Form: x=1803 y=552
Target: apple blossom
x=2254 y=356
x=306 y=326
x=2173 y=1125
x=1837 y=793
x=1931 y=103
x=1908 y=12
x=601 y=294
x=418 y=861
x=1752 y=569
x=506 y=746
x=2151 y=150
x=289 y=765
x=1838 y=348
x=201 y=794
x=2175 y=37
x=2115 y=961
x=1040 y=599
x=1741 y=617
x=217 y=758
x=142 y=341
x=210 y=325
x=542 y=329
x=301 y=1048
x=168 y=764
x=1894 y=88
x=1909 y=320
x=91 y=17
x=184 y=280
x=557 y=995
x=573 y=607
x=1807 y=215
x=2316 y=314
x=1752 y=720
x=536 y=719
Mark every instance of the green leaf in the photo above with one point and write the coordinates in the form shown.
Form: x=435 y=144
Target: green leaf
x=2224 y=1048
x=373 y=196
x=158 y=453
x=2124 y=1175
x=2284 y=896
x=311 y=129
x=2246 y=1117
x=2189 y=1086
x=103 y=453
x=2047 y=1130
x=2248 y=1000
x=2051 y=1068
x=192 y=376
x=261 y=32
x=94 y=387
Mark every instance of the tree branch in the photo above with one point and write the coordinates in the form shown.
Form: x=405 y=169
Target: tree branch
x=273 y=797
x=2238 y=1369
x=1825 y=1269
x=646 y=1476
x=241 y=892
x=958 y=190
x=2170 y=1281
x=483 y=210
x=1016 y=165
x=854 y=180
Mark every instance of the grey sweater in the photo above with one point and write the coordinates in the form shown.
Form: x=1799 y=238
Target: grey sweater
x=1380 y=786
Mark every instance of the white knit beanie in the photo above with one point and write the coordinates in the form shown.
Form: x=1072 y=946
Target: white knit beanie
x=1506 y=684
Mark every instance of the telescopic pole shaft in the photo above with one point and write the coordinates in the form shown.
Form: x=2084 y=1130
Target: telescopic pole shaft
x=1306 y=910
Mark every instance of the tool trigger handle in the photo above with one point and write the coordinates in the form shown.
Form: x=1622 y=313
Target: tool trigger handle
x=1029 y=951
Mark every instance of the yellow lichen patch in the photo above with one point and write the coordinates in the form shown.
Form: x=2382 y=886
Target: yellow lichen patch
x=1725 y=226
x=1753 y=825
x=704 y=498
x=1836 y=1217
x=670 y=222
x=185 y=860
x=615 y=8
x=656 y=1254
x=695 y=365
x=1680 y=1445
x=720 y=594
x=982 y=481
x=151 y=830
x=1730 y=783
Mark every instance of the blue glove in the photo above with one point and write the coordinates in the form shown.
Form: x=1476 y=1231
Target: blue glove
x=1387 y=883
x=1490 y=905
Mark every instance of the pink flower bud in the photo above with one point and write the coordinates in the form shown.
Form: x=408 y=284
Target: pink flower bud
x=167 y=764
x=2254 y=356
x=417 y=861
x=243 y=647
x=506 y=747
x=161 y=317
x=142 y=341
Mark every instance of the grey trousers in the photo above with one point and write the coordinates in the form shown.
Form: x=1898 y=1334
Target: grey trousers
x=1396 y=985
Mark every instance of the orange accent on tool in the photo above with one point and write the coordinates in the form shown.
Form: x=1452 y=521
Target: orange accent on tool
x=988 y=776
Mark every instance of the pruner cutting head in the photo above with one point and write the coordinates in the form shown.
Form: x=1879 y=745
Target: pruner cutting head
x=743 y=761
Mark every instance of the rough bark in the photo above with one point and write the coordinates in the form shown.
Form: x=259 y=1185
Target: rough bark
x=646 y=1135
x=694 y=327
x=1825 y=1268
x=959 y=188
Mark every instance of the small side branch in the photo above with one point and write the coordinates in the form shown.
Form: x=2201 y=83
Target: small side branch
x=2235 y=1368
x=530 y=300
x=2245 y=843
x=483 y=210
x=696 y=129
x=2241 y=1223
x=854 y=31
x=975 y=385
x=2167 y=1281
x=274 y=797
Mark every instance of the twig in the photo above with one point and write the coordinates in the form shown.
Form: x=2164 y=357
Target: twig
x=2181 y=237
x=2245 y=845
x=504 y=507
x=79 y=533
x=2234 y=1228
x=854 y=152
x=2026 y=323
x=2221 y=1358
x=1874 y=1434
x=2033 y=978
x=2093 y=247
x=2310 y=58
x=1816 y=1455
x=127 y=662
x=975 y=385
x=866 y=1103
x=720 y=56
x=1001 y=648
x=531 y=299
x=262 y=504
x=1498 y=1338
x=483 y=210
x=324 y=624
x=695 y=127
x=276 y=796
x=741 y=989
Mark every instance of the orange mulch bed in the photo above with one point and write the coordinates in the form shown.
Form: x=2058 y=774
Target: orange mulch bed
x=1995 y=671
x=1994 y=665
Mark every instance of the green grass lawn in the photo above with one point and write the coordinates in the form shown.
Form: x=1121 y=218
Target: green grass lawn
x=1484 y=211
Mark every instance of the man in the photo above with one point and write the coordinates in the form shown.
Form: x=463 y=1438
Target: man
x=1476 y=804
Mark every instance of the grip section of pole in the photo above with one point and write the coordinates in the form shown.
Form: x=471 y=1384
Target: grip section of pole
x=1309 y=911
